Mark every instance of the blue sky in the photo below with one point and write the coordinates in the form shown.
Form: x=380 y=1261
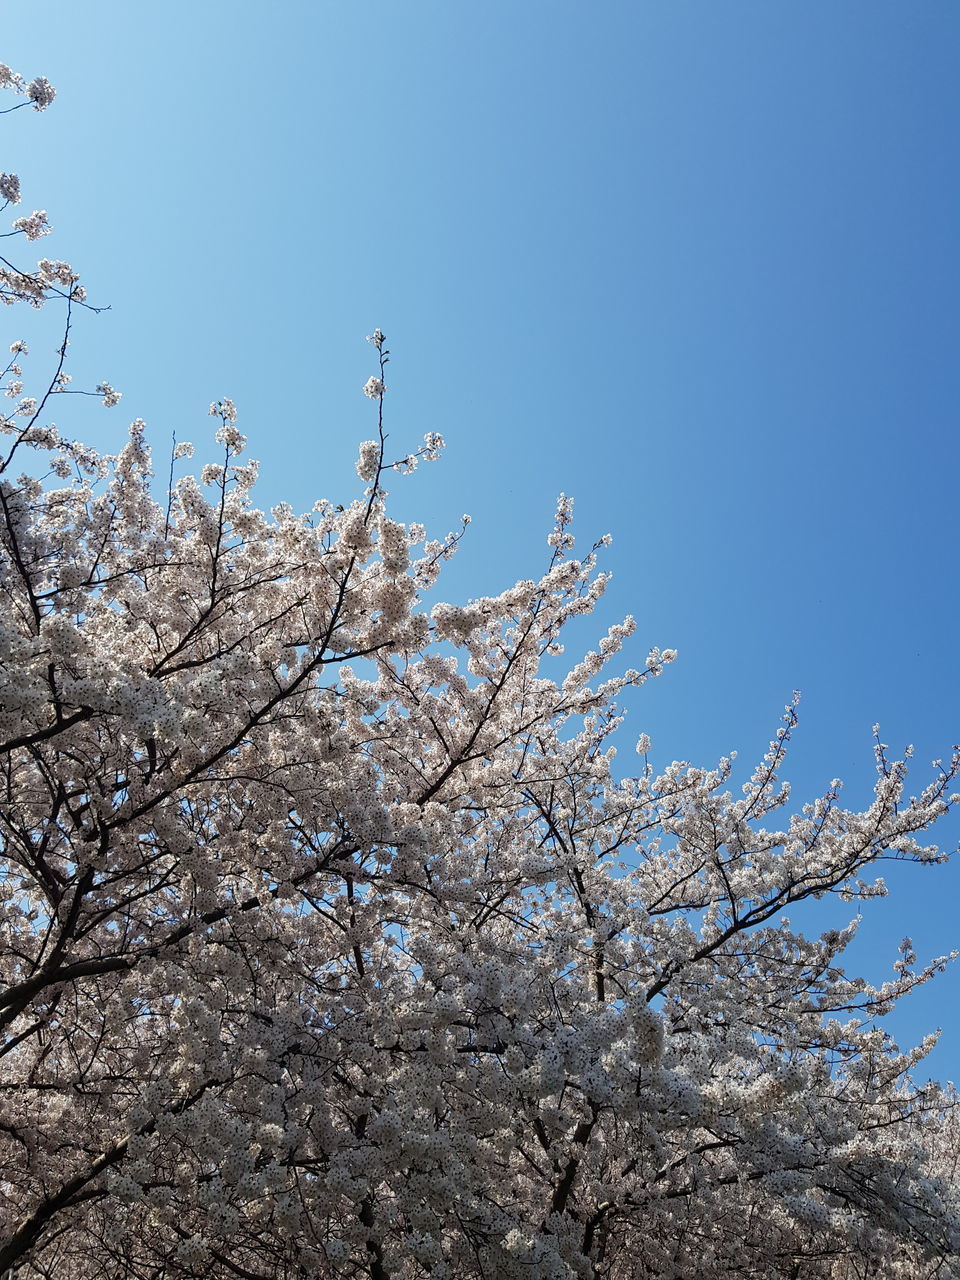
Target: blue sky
x=695 y=264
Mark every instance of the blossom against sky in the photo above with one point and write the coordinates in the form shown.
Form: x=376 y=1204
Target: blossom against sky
x=695 y=265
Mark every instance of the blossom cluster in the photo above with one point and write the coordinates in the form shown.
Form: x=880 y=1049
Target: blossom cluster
x=364 y=939
x=39 y=92
x=9 y=188
x=34 y=226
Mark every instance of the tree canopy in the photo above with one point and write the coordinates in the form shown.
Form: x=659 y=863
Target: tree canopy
x=334 y=942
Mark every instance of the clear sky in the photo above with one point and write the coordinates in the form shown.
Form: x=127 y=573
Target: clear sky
x=696 y=264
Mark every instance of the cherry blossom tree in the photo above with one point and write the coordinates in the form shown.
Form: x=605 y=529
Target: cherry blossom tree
x=332 y=942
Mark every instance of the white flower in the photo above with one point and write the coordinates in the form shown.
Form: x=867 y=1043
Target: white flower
x=374 y=388
x=433 y=444
x=230 y=437
x=224 y=409
x=35 y=226
x=110 y=396
x=10 y=188
x=41 y=92
x=55 y=271
x=376 y=338
x=369 y=460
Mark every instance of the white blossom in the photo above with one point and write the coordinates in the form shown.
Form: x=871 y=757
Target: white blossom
x=34 y=226
x=369 y=460
x=41 y=92
x=224 y=409
x=10 y=188
x=110 y=396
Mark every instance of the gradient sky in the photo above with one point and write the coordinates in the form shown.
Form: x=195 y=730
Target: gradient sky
x=695 y=264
